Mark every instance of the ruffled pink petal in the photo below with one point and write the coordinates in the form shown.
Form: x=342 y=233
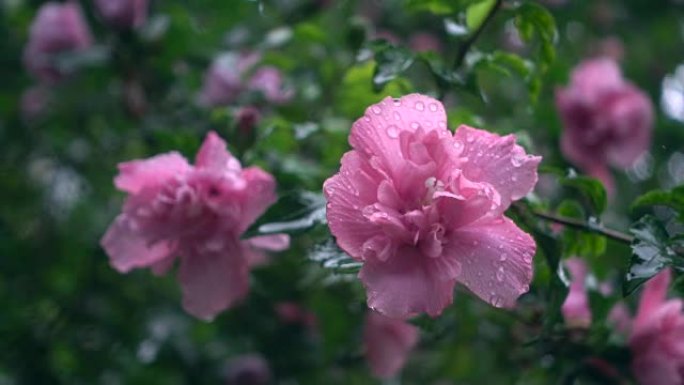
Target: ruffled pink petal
x=127 y=249
x=378 y=131
x=496 y=260
x=258 y=195
x=498 y=161
x=256 y=247
x=213 y=155
x=151 y=172
x=275 y=242
x=212 y=281
x=347 y=193
x=388 y=343
x=575 y=309
x=406 y=284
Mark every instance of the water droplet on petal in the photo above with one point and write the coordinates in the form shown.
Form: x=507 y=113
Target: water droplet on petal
x=517 y=160
x=503 y=258
x=470 y=138
x=514 y=178
x=376 y=110
x=495 y=300
x=397 y=102
x=479 y=274
x=500 y=274
x=393 y=131
x=415 y=125
x=420 y=106
x=433 y=107
x=397 y=116
x=367 y=119
x=525 y=289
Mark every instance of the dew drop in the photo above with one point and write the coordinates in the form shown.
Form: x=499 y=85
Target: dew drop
x=500 y=274
x=458 y=146
x=517 y=160
x=479 y=274
x=420 y=106
x=397 y=102
x=433 y=107
x=514 y=178
x=393 y=131
x=367 y=119
x=376 y=110
x=415 y=125
x=495 y=300
x=397 y=116
x=525 y=289
x=470 y=138
x=503 y=258
x=442 y=125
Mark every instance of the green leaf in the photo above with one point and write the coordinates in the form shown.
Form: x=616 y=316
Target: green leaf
x=477 y=13
x=591 y=188
x=439 y=7
x=391 y=62
x=673 y=198
x=357 y=92
x=652 y=250
x=534 y=20
x=330 y=256
x=579 y=243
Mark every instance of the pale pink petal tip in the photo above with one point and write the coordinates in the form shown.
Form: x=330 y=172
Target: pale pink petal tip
x=575 y=308
x=388 y=343
x=422 y=209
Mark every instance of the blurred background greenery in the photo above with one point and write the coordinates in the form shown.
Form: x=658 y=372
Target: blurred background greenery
x=68 y=318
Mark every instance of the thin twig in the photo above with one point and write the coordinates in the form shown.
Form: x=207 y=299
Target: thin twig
x=463 y=51
x=584 y=226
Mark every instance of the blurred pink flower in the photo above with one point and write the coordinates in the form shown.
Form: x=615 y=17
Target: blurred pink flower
x=34 y=102
x=575 y=309
x=57 y=28
x=248 y=369
x=269 y=82
x=657 y=337
x=422 y=208
x=123 y=14
x=294 y=313
x=387 y=343
x=228 y=77
x=423 y=41
x=606 y=119
x=197 y=213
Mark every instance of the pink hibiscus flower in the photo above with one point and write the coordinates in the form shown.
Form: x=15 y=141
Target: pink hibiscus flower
x=575 y=309
x=123 y=13
x=228 y=77
x=606 y=119
x=57 y=29
x=387 y=344
x=422 y=209
x=657 y=335
x=196 y=213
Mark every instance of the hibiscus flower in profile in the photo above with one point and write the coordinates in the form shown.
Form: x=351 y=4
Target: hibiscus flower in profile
x=656 y=335
x=422 y=209
x=196 y=214
x=56 y=30
x=606 y=119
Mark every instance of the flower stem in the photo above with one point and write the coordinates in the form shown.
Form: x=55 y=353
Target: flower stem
x=584 y=226
x=463 y=50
